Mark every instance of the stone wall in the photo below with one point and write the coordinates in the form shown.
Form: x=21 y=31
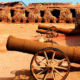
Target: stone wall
x=77 y=22
x=40 y=13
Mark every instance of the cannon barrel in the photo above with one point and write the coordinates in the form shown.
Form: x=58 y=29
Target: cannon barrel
x=41 y=31
x=25 y=45
x=33 y=46
x=60 y=30
x=43 y=27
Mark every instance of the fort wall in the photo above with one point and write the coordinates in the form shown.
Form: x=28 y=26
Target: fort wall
x=41 y=13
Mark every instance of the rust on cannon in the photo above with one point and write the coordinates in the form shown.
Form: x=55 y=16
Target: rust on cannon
x=41 y=31
x=30 y=47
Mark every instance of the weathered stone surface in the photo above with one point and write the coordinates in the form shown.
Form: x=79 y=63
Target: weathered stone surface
x=41 y=13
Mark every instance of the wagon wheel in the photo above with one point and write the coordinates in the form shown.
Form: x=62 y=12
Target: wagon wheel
x=54 y=64
x=52 y=32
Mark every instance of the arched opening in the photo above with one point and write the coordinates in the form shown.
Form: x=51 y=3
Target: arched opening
x=0 y=20
x=41 y=13
x=73 y=21
x=67 y=21
x=27 y=21
x=36 y=21
x=51 y=21
x=73 y=11
x=13 y=21
x=57 y=21
x=26 y=13
x=55 y=13
x=42 y=21
x=0 y=9
x=21 y=8
x=21 y=21
x=12 y=13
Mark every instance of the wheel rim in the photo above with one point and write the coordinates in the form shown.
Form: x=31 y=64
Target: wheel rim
x=50 y=68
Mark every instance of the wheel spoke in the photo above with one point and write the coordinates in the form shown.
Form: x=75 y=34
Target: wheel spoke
x=58 y=67
x=39 y=66
x=59 y=61
x=46 y=76
x=41 y=72
x=53 y=75
x=46 y=56
x=41 y=61
x=58 y=72
x=53 y=56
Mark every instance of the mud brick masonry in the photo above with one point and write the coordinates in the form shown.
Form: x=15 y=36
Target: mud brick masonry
x=18 y=12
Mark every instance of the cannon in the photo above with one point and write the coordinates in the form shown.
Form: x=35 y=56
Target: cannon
x=50 y=62
x=51 y=32
x=60 y=30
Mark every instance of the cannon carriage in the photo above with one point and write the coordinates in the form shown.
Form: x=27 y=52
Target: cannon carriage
x=50 y=62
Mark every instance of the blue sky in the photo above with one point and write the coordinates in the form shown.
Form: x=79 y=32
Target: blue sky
x=40 y=1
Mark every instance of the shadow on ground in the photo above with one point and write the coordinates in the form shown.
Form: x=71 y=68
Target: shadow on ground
x=29 y=75
x=21 y=73
x=6 y=78
x=73 y=69
x=18 y=73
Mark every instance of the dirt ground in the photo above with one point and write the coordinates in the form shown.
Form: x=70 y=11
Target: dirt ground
x=14 y=62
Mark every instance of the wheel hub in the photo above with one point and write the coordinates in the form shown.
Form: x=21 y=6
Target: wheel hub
x=50 y=68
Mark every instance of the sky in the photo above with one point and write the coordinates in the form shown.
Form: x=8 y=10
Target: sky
x=42 y=1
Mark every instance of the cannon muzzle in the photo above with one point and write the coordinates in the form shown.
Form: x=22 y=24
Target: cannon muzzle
x=29 y=46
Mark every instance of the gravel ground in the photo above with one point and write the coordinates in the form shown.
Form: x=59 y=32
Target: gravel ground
x=14 y=62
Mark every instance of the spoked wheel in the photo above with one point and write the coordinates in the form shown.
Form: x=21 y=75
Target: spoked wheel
x=53 y=64
x=52 y=32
